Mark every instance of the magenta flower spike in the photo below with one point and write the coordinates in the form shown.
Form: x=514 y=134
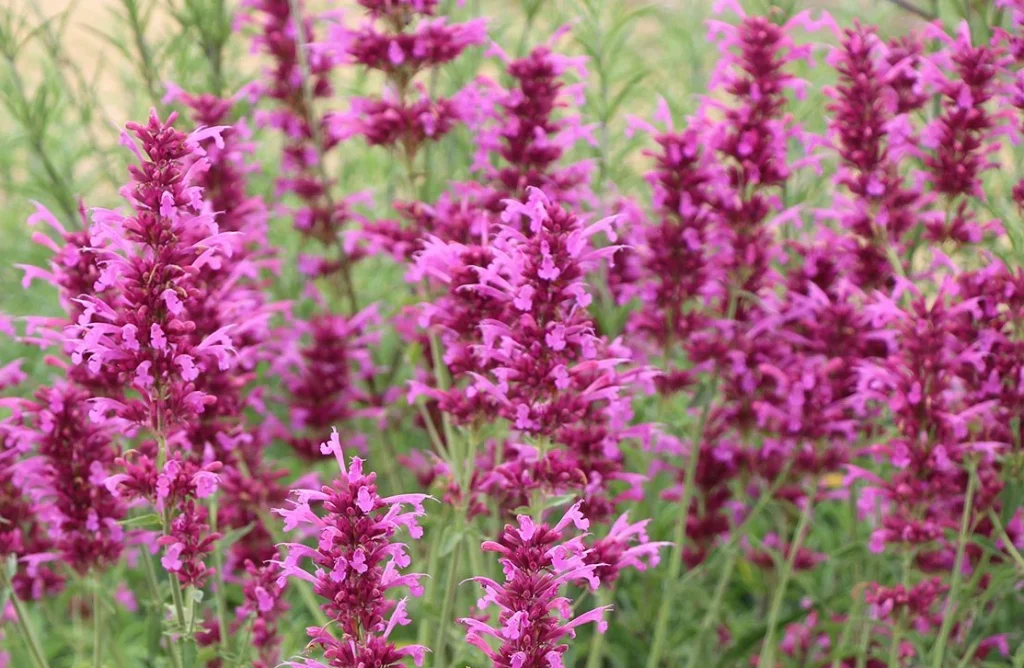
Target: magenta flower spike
x=534 y=617
x=356 y=563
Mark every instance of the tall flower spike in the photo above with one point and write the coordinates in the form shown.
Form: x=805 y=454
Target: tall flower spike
x=326 y=366
x=880 y=210
x=528 y=133
x=153 y=256
x=538 y=562
x=355 y=563
x=74 y=457
x=23 y=534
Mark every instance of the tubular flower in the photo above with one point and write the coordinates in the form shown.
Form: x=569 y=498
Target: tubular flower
x=23 y=532
x=537 y=562
x=74 y=457
x=626 y=546
x=152 y=260
x=880 y=209
x=326 y=369
x=356 y=562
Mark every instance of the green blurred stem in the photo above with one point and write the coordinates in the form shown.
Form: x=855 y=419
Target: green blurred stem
x=711 y=616
x=28 y=634
x=220 y=593
x=179 y=607
x=837 y=652
x=908 y=6
x=158 y=604
x=894 y=644
x=679 y=536
x=954 y=587
x=897 y=631
x=446 y=610
x=97 y=624
x=86 y=101
x=318 y=141
x=768 y=648
x=243 y=644
x=147 y=64
x=1010 y=547
x=36 y=143
x=595 y=657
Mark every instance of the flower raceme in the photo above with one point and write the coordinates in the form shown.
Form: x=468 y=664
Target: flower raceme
x=356 y=563
x=866 y=322
x=149 y=261
x=538 y=561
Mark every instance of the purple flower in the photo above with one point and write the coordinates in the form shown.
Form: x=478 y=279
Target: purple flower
x=533 y=616
x=356 y=561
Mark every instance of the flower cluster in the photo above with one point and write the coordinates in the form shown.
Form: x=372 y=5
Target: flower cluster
x=327 y=369
x=777 y=325
x=74 y=456
x=400 y=41
x=356 y=562
x=536 y=360
x=538 y=562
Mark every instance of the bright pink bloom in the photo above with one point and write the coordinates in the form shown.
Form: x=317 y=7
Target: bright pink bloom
x=538 y=562
x=356 y=562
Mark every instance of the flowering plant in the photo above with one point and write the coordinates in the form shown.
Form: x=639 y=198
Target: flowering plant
x=430 y=335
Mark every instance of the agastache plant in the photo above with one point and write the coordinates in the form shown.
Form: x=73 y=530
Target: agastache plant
x=533 y=615
x=767 y=412
x=356 y=561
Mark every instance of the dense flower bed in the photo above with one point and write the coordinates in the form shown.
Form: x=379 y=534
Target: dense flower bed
x=745 y=421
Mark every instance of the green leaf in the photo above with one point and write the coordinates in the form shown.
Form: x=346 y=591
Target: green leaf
x=452 y=539
x=147 y=521
x=1010 y=499
x=235 y=535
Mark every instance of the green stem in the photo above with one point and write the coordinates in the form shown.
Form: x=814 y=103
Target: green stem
x=595 y=657
x=711 y=616
x=97 y=624
x=433 y=558
x=147 y=66
x=219 y=593
x=894 y=645
x=179 y=607
x=309 y=599
x=768 y=648
x=28 y=634
x=862 y=646
x=446 y=611
x=897 y=631
x=735 y=534
x=158 y=604
x=1010 y=547
x=854 y=614
x=679 y=536
x=243 y=644
x=857 y=600
x=954 y=587
x=318 y=141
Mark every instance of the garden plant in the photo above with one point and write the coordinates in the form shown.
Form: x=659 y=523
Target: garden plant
x=514 y=333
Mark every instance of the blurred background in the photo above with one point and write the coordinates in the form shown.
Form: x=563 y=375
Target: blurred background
x=72 y=73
